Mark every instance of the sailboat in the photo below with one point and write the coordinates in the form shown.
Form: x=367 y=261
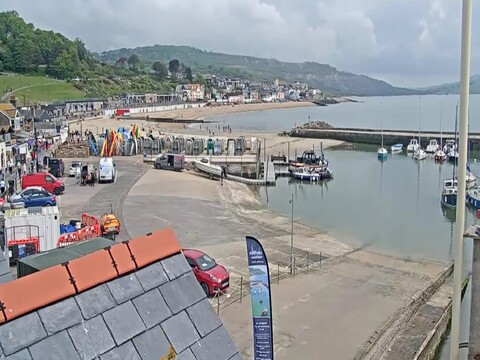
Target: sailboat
x=450 y=186
x=381 y=152
x=440 y=155
x=453 y=145
x=419 y=153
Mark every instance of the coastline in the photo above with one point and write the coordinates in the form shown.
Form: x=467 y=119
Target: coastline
x=208 y=111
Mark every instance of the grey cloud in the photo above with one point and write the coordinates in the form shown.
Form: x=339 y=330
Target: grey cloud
x=401 y=39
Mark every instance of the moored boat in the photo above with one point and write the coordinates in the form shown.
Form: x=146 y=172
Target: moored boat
x=382 y=153
x=449 y=193
x=419 y=154
x=432 y=146
x=473 y=197
x=440 y=156
x=308 y=174
x=412 y=145
x=396 y=148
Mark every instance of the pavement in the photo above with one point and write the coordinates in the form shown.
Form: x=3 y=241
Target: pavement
x=329 y=312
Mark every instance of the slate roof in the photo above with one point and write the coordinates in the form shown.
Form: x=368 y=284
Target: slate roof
x=134 y=300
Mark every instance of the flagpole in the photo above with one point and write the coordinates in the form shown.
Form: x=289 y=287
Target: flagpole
x=462 y=165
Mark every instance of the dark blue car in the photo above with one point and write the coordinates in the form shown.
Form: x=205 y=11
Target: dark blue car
x=37 y=198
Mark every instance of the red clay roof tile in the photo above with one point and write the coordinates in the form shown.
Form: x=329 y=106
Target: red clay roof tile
x=52 y=284
x=35 y=291
x=150 y=248
x=92 y=269
x=122 y=258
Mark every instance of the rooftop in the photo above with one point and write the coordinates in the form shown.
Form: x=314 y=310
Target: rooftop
x=133 y=300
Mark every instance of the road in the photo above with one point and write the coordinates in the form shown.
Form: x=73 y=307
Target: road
x=96 y=200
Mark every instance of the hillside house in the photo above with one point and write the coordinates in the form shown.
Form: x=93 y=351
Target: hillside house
x=191 y=92
x=83 y=105
x=10 y=112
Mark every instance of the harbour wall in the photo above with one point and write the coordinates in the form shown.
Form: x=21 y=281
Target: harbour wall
x=374 y=136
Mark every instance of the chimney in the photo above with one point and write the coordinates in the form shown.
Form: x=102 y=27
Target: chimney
x=13 y=101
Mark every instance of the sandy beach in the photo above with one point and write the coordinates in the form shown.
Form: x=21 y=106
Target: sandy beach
x=275 y=143
x=203 y=112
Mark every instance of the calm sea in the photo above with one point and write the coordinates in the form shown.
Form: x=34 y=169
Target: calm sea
x=392 y=206
x=398 y=112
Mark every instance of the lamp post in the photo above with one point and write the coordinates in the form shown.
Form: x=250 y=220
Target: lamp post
x=291 y=240
x=462 y=164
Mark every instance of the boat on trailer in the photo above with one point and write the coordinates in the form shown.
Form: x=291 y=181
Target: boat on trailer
x=205 y=166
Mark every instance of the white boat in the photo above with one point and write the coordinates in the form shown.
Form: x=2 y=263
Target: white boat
x=396 y=148
x=449 y=146
x=305 y=173
x=440 y=155
x=381 y=152
x=471 y=180
x=204 y=165
x=432 y=146
x=419 y=154
x=412 y=145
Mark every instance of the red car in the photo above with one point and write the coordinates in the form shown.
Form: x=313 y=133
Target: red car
x=211 y=276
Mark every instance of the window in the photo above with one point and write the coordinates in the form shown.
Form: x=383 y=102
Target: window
x=48 y=179
x=191 y=263
x=205 y=262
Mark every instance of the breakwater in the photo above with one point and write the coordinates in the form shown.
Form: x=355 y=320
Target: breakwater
x=374 y=136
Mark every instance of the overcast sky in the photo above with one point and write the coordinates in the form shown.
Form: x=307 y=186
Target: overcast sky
x=405 y=42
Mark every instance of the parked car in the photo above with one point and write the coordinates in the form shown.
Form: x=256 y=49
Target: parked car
x=41 y=198
x=75 y=168
x=45 y=180
x=26 y=192
x=211 y=276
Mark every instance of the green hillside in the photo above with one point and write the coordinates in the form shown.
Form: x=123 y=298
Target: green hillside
x=324 y=77
x=454 y=88
x=41 y=57
x=34 y=89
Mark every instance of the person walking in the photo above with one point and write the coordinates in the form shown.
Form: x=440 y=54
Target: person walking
x=10 y=166
x=2 y=187
x=19 y=169
x=24 y=168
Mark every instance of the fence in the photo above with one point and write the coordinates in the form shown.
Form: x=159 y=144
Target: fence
x=236 y=293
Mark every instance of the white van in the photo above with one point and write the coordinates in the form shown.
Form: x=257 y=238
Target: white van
x=106 y=170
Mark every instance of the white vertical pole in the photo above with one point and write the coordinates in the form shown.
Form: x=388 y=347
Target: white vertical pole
x=462 y=165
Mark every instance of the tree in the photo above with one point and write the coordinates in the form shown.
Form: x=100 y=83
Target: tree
x=160 y=70
x=134 y=62
x=200 y=79
x=173 y=67
x=122 y=62
x=188 y=74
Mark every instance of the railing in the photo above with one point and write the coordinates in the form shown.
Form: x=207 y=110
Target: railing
x=278 y=272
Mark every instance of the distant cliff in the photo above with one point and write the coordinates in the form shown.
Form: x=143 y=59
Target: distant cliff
x=321 y=76
x=454 y=88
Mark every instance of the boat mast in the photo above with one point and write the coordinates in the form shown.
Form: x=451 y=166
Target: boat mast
x=456 y=140
x=419 y=119
x=441 y=132
x=381 y=118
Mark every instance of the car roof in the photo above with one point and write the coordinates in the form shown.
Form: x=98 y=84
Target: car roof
x=34 y=187
x=192 y=253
